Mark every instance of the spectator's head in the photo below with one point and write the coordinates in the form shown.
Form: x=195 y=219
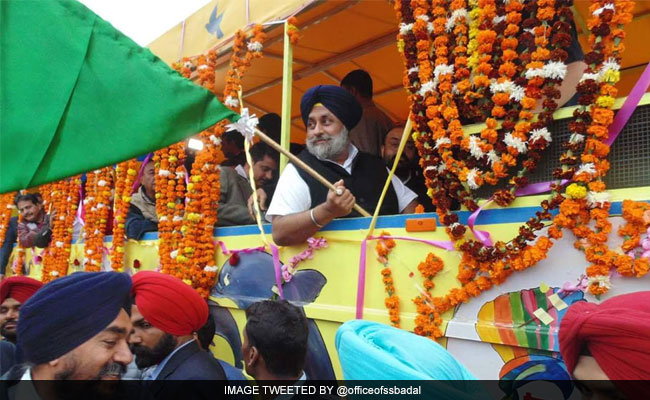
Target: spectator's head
x=148 y=179
x=166 y=314
x=76 y=327
x=205 y=335
x=409 y=159
x=232 y=143
x=275 y=340
x=608 y=341
x=271 y=124
x=265 y=163
x=359 y=83
x=30 y=207
x=329 y=113
x=14 y=291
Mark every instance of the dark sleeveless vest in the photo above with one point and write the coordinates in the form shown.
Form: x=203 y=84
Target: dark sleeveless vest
x=366 y=182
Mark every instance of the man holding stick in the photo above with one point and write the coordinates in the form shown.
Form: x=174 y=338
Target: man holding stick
x=302 y=204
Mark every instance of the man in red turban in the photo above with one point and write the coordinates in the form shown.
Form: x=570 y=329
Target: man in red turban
x=165 y=315
x=14 y=291
x=608 y=341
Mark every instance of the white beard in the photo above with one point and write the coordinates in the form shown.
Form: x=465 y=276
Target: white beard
x=334 y=146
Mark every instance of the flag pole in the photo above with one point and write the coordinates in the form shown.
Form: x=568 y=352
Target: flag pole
x=298 y=162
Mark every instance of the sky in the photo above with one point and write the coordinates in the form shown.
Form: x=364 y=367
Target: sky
x=144 y=20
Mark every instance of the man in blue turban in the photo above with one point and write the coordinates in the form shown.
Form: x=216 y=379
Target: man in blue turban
x=302 y=205
x=74 y=328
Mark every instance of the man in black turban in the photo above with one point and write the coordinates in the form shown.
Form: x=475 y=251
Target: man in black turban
x=301 y=205
x=74 y=328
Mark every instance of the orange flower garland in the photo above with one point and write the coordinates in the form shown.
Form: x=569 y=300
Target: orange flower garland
x=96 y=205
x=65 y=199
x=428 y=319
x=6 y=208
x=383 y=248
x=292 y=30
x=192 y=256
x=125 y=174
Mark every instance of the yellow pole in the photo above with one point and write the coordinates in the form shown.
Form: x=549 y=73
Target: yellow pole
x=402 y=144
x=287 y=80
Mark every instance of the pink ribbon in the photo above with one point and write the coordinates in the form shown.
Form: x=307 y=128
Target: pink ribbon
x=136 y=183
x=361 y=283
x=81 y=213
x=569 y=287
x=482 y=236
x=626 y=111
x=537 y=188
x=276 y=260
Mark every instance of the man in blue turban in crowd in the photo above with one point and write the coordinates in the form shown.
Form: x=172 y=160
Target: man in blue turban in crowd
x=302 y=205
x=74 y=328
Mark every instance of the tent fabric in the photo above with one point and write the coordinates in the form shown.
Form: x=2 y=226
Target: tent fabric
x=78 y=95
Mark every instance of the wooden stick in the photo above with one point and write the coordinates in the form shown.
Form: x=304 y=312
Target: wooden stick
x=306 y=168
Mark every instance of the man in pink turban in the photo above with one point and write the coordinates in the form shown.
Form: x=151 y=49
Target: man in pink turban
x=609 y=341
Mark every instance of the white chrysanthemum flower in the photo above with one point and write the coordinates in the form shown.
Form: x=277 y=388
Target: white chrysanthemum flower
x=542 y=133
x=442 y=168
x=589 y=75
x=608 y=6
x=534 y=72
x=471 y=179
x=97 y=232
x=576 y=138
x=209 y=268
x=493 y=157
x=187 y=64
x=101 y=205
x=555 y=70
x=611 y=64
x=597 y=199
x=173 y=254
x=498 y=19
x=423 y=17
x=177 y=218
x=58 y=243
x=454 y=225
x=93 y=209
x=68 y=198
x=515 y=142
x=405 y=28
x=430 y=27
x=441 y=141
x=588 y=168
x=530 y=30
x=215 y=140
x=426 y=87
x=164 y=172
x=474 y=148
x=202 y=67
x=451 y=22
x=600 y=280
x=10 y=206
x=415 y=69
x=443 y=69
x=517 y=93
x=163 y=219
x=231 y=101
x=54 y=273
x=102 y=183
x=90 y=252
x=255 y=46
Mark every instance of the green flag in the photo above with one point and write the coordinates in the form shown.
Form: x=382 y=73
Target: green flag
x=76 y=95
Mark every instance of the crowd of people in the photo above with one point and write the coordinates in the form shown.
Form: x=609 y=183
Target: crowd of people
x=156 y=329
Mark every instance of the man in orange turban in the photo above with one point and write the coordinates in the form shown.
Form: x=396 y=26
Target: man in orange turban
x=14 y=291
x=165 y=315
x=609 y=341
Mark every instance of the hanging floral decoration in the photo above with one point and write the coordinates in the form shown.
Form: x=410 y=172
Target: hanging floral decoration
x=499 y=60
x=384 y=247
x=190 y=254
x=97 y=205
x=293 y=30
x=125 y=175
x=64 y=196
x=7 y=207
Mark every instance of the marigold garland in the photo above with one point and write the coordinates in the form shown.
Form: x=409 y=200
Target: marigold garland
x=7 y=207
x=191 y=255
x=125 y=174
x=96 y=205
x=65 y=200
x=454 y=165
x=383 y=248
